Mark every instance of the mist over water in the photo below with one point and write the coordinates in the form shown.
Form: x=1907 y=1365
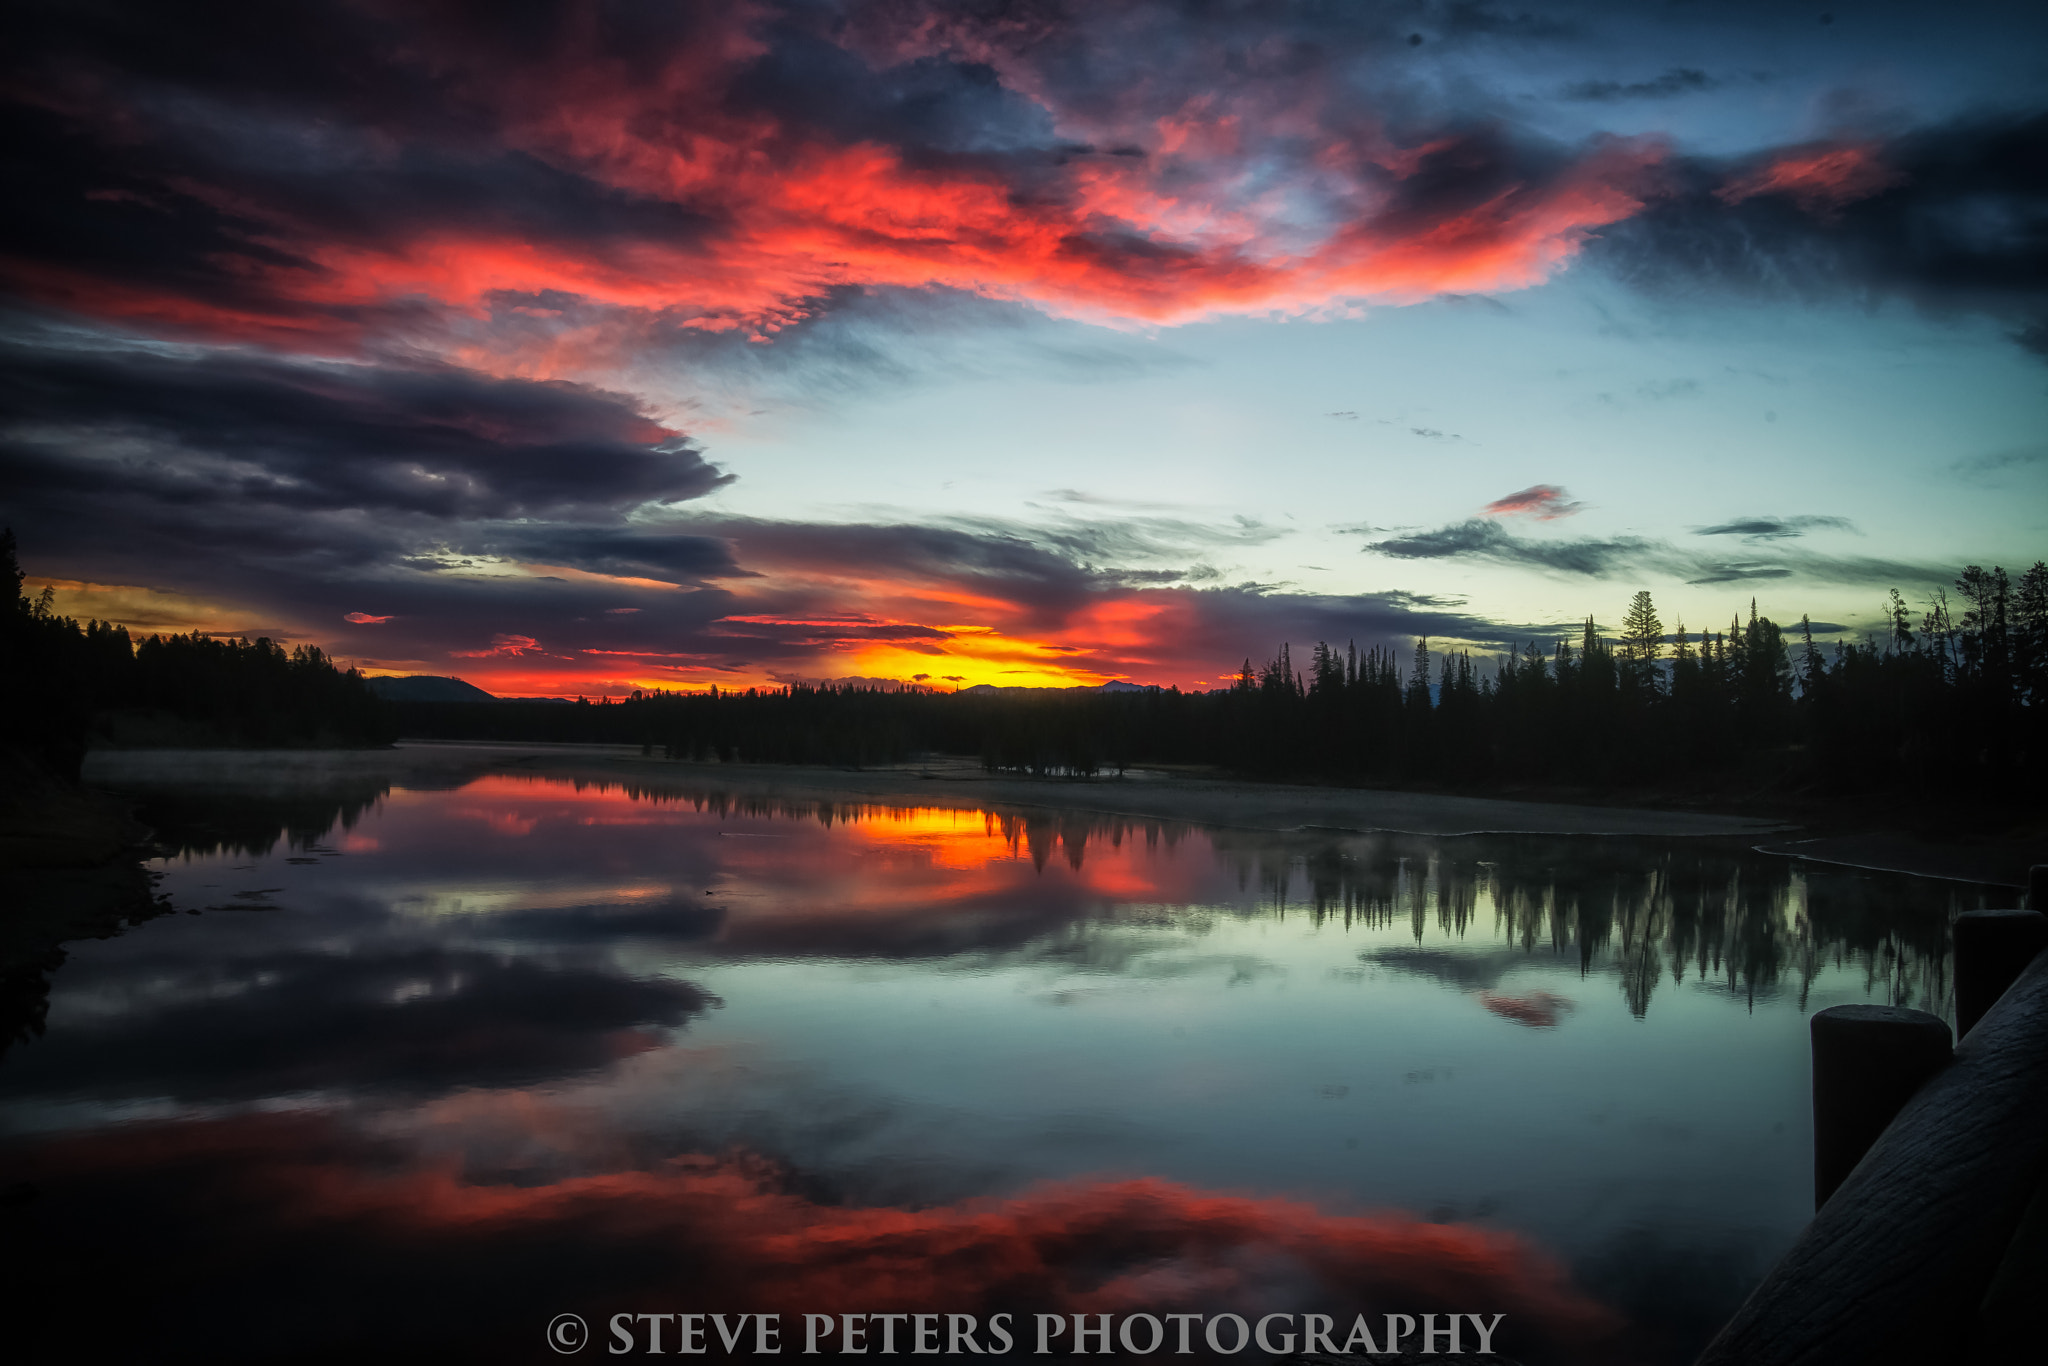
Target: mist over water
x=480 y=1049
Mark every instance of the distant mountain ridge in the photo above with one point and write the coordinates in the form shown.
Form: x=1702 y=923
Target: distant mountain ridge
x=427 y=688
x=1114 y=685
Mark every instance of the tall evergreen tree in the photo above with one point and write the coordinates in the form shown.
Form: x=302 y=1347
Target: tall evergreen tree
x=1642 y=632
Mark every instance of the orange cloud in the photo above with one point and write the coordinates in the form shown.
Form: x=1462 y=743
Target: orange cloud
x=509 y=645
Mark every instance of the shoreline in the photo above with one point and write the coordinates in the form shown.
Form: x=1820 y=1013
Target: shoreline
x=1850 y=839
x=962 y=784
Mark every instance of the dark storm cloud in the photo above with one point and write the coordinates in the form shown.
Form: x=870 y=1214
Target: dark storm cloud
x=302 y=437
x=1775 y=528
x=607 y=550
x=1488 y=541
x=1049 y=570
x=939 y=111
x=1224 y=622
x=910 y=551
x=306 y=492
x=1951 y=218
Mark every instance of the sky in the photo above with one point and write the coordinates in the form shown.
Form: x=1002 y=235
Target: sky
x=579 y=348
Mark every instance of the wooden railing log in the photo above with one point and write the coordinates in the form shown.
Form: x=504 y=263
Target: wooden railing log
x=1893 y=1268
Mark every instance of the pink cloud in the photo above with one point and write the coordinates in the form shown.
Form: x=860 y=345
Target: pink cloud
x=1544 y=502
x=365 y=619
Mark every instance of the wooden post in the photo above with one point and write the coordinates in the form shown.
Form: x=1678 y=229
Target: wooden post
x=1892 y=1270
x=1992 y=949
x=1867 y=1063
x=2037 y=887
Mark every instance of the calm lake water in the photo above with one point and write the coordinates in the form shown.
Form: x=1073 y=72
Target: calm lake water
x=420 y=1068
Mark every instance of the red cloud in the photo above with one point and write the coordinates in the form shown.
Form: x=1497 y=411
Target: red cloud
x=1545 y=502
x=1818 y=179
x=364 y=619
x=1189 y=199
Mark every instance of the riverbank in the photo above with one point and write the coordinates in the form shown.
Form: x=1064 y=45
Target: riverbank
x=1885 y=837
x=49 y=822
x=950 y=783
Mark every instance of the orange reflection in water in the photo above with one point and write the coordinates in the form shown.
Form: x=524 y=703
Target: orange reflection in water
x=1536 y=1009
x=782 y=857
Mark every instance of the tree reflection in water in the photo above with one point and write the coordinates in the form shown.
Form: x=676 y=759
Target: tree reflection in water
x=1639 y=910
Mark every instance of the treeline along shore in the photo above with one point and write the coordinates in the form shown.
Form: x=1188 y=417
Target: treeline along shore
x=65 y=684
x=1947 y=697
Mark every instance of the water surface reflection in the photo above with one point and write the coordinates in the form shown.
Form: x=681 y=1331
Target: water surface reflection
x=524 y=1043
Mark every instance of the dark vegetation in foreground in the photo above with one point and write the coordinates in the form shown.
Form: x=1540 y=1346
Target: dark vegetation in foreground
x=1949 y=699
x=62 y=682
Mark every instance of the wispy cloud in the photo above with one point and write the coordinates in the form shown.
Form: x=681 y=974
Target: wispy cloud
x=1775 y=528
x=1482 y=539
x=1678 y=80
x=1999 y=467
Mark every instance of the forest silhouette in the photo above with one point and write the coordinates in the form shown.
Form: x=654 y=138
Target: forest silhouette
x=1948 y=696
x=63 y=682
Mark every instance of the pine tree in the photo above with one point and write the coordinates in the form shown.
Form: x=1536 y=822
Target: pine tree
x=1901 y=627
x=1417 y=696
x=1813 y=669
x=1642 y=633
x=2030 y=638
